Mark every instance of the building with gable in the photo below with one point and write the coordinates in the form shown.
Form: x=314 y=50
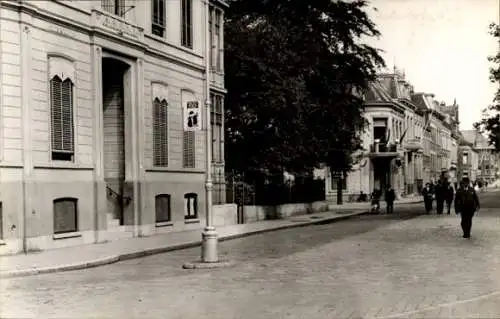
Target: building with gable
x=93 y=142
x=485 y=167
x=410 y=139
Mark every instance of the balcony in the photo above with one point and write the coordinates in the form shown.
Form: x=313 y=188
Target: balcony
x=413 y=144
x=378 y=150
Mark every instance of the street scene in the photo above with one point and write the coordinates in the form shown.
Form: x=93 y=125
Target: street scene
x=405 y=265
x=250 y=159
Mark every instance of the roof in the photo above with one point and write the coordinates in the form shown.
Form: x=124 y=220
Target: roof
x=477 y=139
x=377 y=93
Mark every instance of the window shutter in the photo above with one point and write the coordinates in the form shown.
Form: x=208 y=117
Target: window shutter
x=67 y=116
x=160 y=132
x=61 y=99
x=163 y=208
x=188 y=149
x=56 y=113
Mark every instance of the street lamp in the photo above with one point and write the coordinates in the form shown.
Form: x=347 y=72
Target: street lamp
x=209 y=253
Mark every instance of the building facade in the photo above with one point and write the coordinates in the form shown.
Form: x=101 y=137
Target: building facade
x=410 y=139
x=94 y=100
x=487 y=158
x=468 y=161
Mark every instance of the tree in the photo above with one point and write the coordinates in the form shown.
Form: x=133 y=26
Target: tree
x=490 y=121
x=294 y=72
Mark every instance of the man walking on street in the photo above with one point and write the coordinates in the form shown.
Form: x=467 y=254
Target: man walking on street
x=440 y=197
x=449 y=196
x=466 y=204
x=390 y=196
x=427 y=193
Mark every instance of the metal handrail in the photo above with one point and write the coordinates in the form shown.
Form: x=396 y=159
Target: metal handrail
x=124 y=199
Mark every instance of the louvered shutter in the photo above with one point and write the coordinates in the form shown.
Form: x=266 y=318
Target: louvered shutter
x=56 y=113
x=62 y=115
x=188 y=151
x=67 y=116
x=162 y=208
x=160 y=132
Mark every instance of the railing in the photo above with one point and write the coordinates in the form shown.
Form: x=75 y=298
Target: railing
x=118 y=197
x=383 y=148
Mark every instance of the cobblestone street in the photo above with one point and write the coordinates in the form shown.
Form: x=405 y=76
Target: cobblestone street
x=367 y=267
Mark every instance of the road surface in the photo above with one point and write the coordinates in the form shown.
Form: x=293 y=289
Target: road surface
x=367 y=267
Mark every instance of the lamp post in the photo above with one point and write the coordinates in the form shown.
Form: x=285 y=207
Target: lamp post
x=209 y=244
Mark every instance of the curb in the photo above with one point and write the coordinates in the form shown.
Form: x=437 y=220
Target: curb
x=154 y=251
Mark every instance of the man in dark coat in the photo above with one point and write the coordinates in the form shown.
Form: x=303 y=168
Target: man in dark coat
x=466 y=203
x=427 y=193
x=439 y=192
x=390 y=196
x=450 y=194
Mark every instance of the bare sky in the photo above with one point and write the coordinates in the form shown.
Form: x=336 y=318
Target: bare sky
x=443 y=47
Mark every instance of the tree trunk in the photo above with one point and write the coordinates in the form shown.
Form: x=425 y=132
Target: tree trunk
x=340 y=182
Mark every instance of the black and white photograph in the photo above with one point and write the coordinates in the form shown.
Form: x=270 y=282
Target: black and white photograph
x=250 y=159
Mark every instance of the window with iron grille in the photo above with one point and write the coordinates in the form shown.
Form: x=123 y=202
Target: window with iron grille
x=158 y=18
x=190 y=206
x=187 y=24
x=217 y=41
x=62 y=131
x=114 y=7
x=217 y=129
x=160 y=132
x=65 y=215
x=188 y=149
x=335 y=180
x=1 y=220
x=162 y=208
x=211 y=54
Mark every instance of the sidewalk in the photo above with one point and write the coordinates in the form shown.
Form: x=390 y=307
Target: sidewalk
x=94 y=255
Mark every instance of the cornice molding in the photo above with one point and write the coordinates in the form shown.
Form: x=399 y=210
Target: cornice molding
x=72 y=25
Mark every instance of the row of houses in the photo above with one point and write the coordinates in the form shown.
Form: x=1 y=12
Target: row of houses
x=97 y=102
x=412 y=139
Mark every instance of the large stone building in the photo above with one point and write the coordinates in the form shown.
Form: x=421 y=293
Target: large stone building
x=410 y=140
x=93 y=142
x=485 y=165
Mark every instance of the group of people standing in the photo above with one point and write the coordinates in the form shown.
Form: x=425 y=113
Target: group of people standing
x=443 y=192
x=465 y=197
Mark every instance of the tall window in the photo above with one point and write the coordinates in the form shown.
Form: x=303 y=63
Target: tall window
x=162 y=208
x=335 y=179
x=217 y=40
x=187 y=24
x=190 y=206
x=211 y=54
x=65 y=215
x=158 y=18
x=114 y=6
x=61 y=111
x=160 y=132
x=1 y=221
x=217 y=128
x=188 y=150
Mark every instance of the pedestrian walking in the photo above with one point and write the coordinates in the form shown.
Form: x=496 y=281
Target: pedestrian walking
x=427 y=193
x=439 y=192
x=375 y=201
x=449 y=195
x=466 y=204
x=390 y=197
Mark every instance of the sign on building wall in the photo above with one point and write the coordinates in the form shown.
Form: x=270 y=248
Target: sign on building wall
x=192 y=115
